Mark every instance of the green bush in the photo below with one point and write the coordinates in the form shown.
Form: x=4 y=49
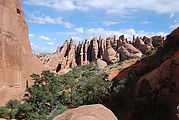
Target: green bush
x=149 y=52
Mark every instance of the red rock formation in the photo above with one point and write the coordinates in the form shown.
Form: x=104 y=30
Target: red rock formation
x=94 y=44
x=143 y=44
x=168 y=73
x=110 y=50
x=110 y=55
x=17 y=62
x=87 y=112
x=163 y=72
x=101 y=63
x=128 y=51
x=157 y=41
x=63 y=59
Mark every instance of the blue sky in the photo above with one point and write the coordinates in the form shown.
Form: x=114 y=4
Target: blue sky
x=51 y=22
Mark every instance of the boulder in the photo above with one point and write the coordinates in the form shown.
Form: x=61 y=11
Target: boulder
x=101 y=63
x=110 y=56
x=128 y=51
x=87 y=112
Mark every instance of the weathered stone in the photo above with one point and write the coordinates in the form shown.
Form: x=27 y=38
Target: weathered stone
x=158 y=41
x=17 y=62
x=128 y=51
x=110 y=50
x=94 y=54
x=85 y=57
x=87 y=112
x=110 y=55
x=143 y=44
x=101 y=63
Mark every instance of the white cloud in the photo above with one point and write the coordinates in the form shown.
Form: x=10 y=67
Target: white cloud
x=50 y=44
x=79 y=30
x=44 y=37
x=48 y=20
x=145 y=22
x=110 y=6
x=108 y=23
x=172 y=15
x=77 y=39
x=41 y=49
x=175 y=25
x=31 y=35
x=96 y=32
x=89 y=34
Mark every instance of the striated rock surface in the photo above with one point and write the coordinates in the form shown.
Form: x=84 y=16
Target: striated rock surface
x=87 y=112
x=17 y=62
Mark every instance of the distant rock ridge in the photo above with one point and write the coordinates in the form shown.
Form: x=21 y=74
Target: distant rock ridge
x=99 y=50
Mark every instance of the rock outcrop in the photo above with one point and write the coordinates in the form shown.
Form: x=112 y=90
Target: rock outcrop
x=101 y=63
x=165 y=77
x=99 y=51
x=87 y=112
x=17 y=62
x=146 y=43
x=157 y=41
x=128 y=51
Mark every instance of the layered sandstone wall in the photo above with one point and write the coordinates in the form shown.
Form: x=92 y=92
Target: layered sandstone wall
x=17 y=62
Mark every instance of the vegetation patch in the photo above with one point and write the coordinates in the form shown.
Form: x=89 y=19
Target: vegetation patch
x=52 y=94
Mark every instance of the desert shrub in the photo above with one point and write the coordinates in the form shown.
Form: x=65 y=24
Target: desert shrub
x=149 y=52
x=10 y=110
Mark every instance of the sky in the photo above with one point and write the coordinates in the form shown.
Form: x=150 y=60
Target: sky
x=51 y=22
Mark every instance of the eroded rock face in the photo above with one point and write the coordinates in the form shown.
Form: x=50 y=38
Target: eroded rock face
x=110 y=55
x=17 y=62
x=128 y=51
x=157 y=41
x=108 y=50
x=87 y=112
x=143 y=44
x=63 y=59
x=165 y=77
x=163 y=72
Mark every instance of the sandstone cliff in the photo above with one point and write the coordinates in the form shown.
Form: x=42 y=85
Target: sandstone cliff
x=164 y=79
x=17 y=62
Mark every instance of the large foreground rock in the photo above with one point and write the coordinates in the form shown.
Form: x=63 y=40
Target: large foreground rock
x=17 y=62
x=87 y=112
